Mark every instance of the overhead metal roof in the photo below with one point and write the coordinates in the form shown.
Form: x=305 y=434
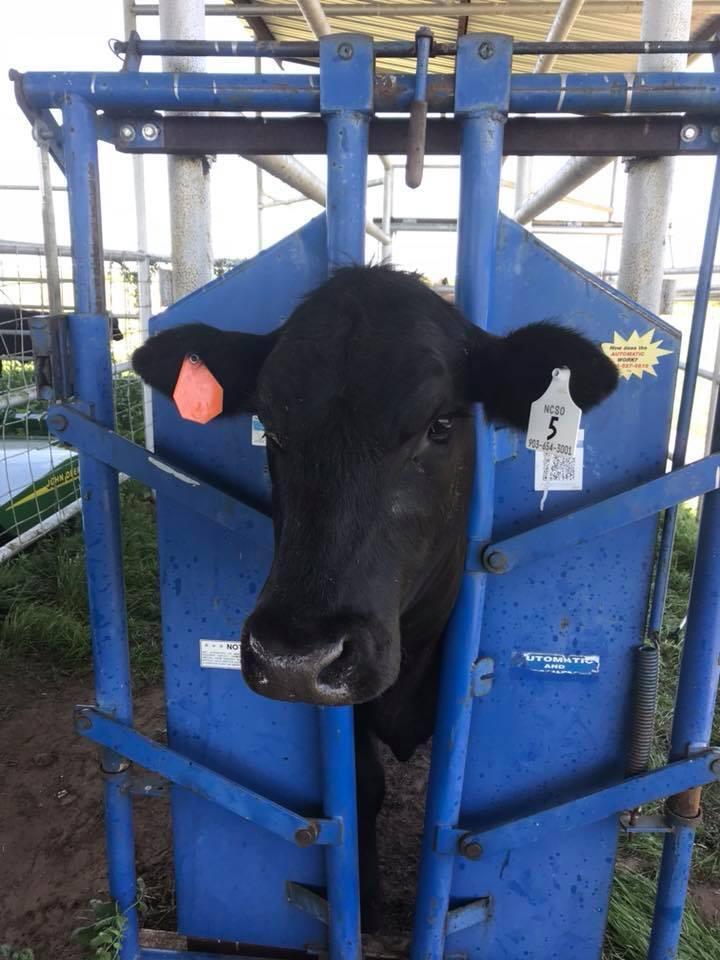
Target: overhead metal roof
x=598 y=20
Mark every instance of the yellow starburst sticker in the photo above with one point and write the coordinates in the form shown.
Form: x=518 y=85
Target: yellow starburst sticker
x=635 y=356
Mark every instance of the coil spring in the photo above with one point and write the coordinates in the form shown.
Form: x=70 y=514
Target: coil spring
x=647 y=674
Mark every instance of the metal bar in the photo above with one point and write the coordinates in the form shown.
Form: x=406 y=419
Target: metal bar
x=581 y=526
x=106 y=446
x=317 y=21
x=388 y=190
x=346 y=91
x=525 y=136
x=481 y=100
x=29 y=248
x=565 y=17
x=699 y=668
x=682 y=435
x=52 y=265
x=99 y=494
x=206 y=783
x=557 y=187
x=483 y=7
x=589 y=808
x=529 y=93
x=649 y=184
x=188 y=177
x=143 y=264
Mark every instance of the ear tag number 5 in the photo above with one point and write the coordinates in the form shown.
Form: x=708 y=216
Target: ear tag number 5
x=197 y=395
x=554 y=418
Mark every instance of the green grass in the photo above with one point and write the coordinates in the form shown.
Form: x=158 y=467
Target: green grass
x=43 y=596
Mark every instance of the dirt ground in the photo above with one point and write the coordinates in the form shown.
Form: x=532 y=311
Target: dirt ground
x=52 y=851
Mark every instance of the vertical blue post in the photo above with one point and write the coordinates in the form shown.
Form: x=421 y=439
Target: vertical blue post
x=482 y=91
x=90 y=340
x=700 y=664
x=346 y=100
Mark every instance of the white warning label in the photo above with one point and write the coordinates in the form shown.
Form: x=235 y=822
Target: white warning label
x=220 y=654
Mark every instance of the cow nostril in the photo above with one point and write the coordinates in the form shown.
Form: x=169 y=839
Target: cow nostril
x=335 y=664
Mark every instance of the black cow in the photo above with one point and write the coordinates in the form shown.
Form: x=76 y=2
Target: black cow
x=15 y=339
x=366 y=396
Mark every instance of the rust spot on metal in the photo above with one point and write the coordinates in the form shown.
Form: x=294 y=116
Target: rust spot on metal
x=686 y=804
x=98 y=267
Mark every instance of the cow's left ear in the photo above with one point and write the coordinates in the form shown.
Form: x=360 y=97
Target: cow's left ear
x=234 y=359
x=509 y=373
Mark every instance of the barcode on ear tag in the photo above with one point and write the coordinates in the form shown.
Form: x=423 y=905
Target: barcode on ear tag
x=554 y=471
x=554 y=418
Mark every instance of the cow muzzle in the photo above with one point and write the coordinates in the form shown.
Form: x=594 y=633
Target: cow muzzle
x=329 y=665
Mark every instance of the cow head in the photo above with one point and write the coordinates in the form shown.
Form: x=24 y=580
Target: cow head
x=366 y=397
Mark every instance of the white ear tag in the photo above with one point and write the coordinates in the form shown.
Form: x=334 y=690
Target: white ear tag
x=554 y=418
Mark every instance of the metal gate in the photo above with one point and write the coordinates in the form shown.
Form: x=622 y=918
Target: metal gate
x=528 y=782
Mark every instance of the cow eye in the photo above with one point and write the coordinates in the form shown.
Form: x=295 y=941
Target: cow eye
x=439 y=430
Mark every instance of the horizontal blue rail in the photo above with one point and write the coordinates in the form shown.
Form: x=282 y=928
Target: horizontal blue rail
x=587 y=523
x=583 y=93
x=627 y=795
x=71 y=426
x=127 y=742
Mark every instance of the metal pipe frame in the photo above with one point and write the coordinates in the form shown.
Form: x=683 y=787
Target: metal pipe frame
x=588 y=808
x=173 y=766
x=700 y=664
x=100 y=498
x=391 y=48
x=346 y=102
x=579 y=93
x=642 y=136
x=482 y=96
x=481 y=99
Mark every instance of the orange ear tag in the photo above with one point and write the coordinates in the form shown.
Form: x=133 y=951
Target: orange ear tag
x=197 y=395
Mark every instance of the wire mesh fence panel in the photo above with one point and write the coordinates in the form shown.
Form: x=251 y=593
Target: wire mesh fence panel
x=39 y=483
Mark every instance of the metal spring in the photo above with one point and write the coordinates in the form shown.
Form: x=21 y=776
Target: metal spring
x=647 y=673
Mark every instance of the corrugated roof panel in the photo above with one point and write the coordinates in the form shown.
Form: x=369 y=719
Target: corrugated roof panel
x=618 y=22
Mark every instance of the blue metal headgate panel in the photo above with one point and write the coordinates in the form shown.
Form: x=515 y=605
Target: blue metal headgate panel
x=540 y=737
x=231 y=874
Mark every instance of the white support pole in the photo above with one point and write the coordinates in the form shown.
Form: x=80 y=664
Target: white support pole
x=561 y=26
x=649 y=188
x=144 y=292
x=388 y=184
x=576 y=171
x=52 y=265
x=189 y=177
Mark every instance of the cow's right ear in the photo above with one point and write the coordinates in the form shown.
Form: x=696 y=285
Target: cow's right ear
x=234 y=359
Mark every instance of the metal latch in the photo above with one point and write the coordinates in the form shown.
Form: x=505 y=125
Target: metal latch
x=417 y=127
x=51 y=354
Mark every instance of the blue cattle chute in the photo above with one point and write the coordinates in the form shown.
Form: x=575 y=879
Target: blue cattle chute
x=230 y=874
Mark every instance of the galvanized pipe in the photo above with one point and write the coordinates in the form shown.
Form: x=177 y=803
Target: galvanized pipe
x=649 y=187
x=571 y=175
x=561 y=26
x=296 y=175
x=189 y=177
x=143 y=264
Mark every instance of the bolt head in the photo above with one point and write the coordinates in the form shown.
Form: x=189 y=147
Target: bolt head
x=83 y=722
x=58 y=422
x=715 y=767
x=486 y=50
x=689 y=132
x=496 y=561
x=127 y=131
x=470 y=849
x=150 y=131
x=306 y=836
x=345 y=51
